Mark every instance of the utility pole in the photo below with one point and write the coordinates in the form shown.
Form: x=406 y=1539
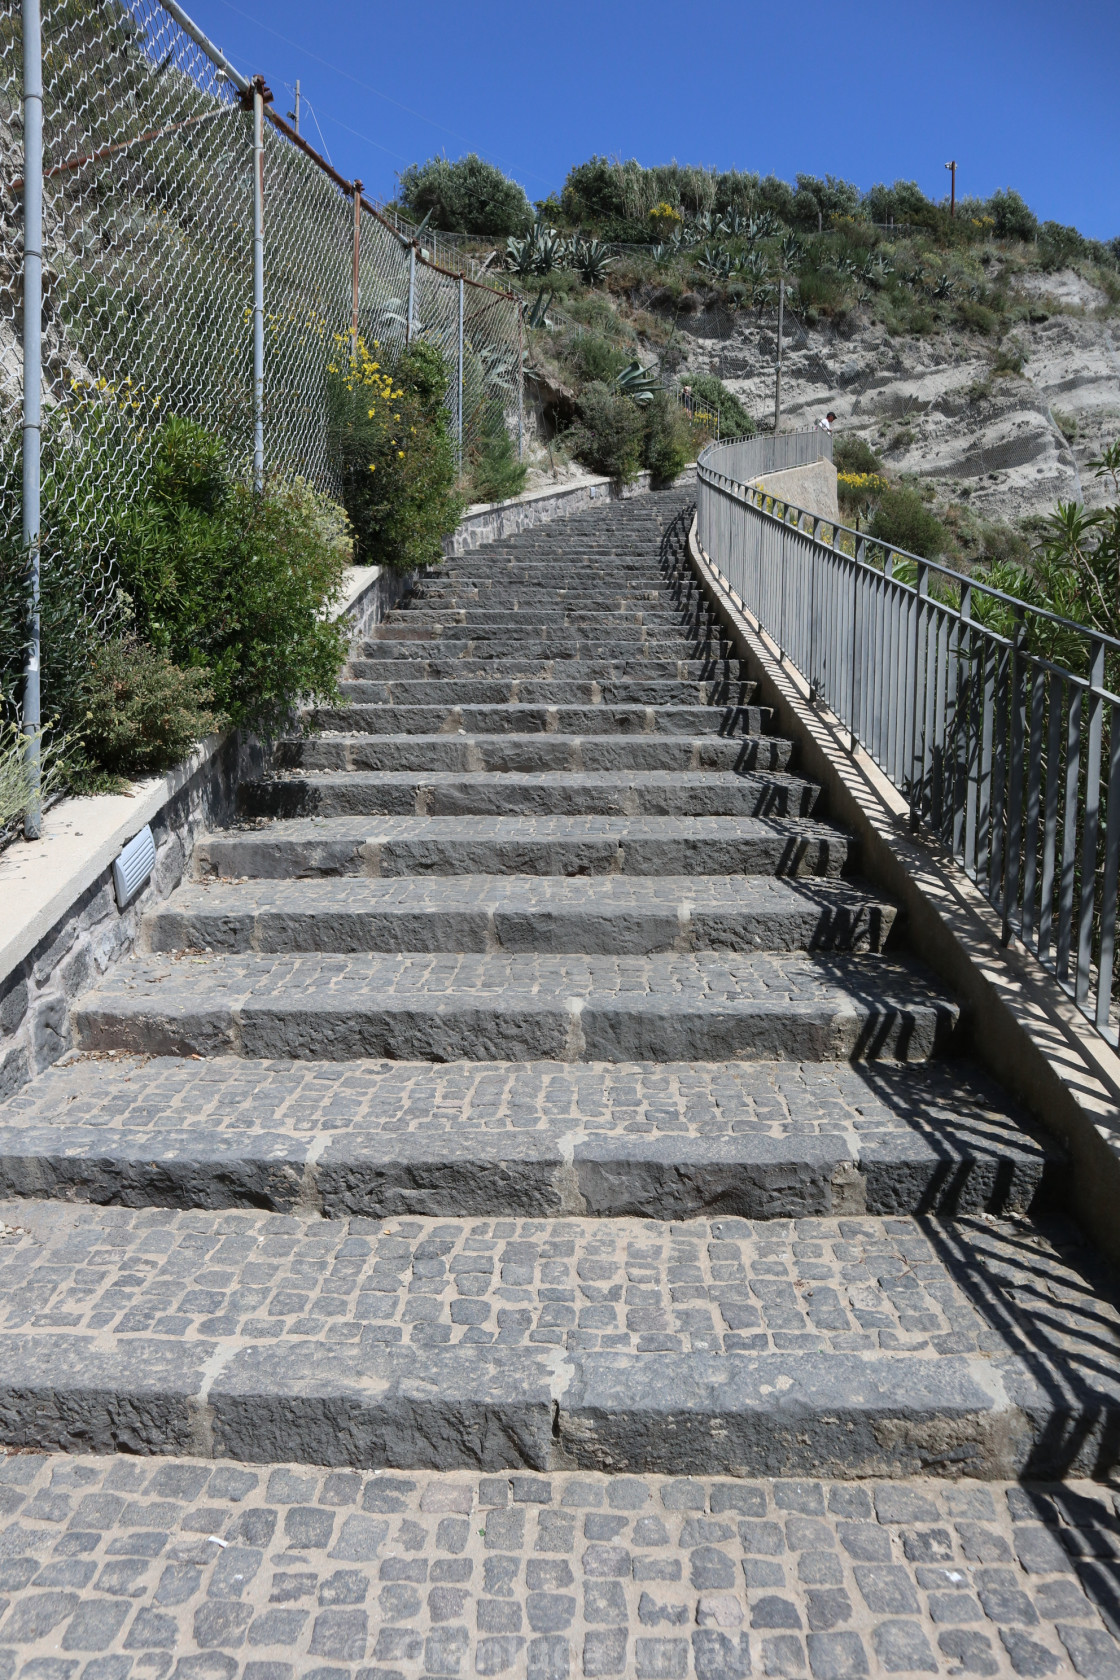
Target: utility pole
x=778 y=377
x=295 y=114
x=952 y=168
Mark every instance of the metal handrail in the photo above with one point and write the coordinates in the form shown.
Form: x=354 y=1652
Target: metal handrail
x=1010 y=758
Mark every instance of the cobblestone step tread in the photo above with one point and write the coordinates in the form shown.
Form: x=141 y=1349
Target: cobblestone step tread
x=439 y=668
x=537 y=793
x=654 y=1140
x=247 y=1572
x=505 y=691
x=543 y=845
x=702 y=1005
x=839 y=1347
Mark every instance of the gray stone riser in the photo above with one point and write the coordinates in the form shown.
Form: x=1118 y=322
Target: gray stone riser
x=477 y=691
x=524 y=718
x=503 y=754
x=698 y=1007
x=517 y=794
x=506 y=641
x=578 y=621
x=615 y=915
x=543 y=846
x=598 y=671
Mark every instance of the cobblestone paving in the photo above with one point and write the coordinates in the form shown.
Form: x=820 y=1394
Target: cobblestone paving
x=715 y=1099
x=117 y=1570
x=625 y=1285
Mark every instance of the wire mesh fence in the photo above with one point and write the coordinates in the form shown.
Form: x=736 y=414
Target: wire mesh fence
x=148 y=276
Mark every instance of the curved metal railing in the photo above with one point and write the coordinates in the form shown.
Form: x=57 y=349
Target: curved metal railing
x=996 y=720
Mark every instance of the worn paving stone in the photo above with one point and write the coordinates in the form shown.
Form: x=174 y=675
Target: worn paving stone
x=662 y=1140
x=127 y=1568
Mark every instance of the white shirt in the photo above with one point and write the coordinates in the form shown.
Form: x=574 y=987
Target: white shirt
x=825 y=425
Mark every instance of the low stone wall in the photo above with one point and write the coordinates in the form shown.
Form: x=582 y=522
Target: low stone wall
x=488 y=522
x=51 y=957
x=61 y=927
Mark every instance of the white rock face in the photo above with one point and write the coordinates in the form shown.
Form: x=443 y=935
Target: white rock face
x=933 y=407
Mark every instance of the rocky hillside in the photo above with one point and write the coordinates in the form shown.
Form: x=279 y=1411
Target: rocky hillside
x=951 y=407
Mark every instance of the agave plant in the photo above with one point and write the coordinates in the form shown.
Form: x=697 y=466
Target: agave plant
x=591 y=260
x=520 y=255
x=663 y=254
x=538 y=315
x=549 y=250
x=792 y=252
x=877 y=268
x=732 y=223
x=715 y=260
x=637 y=382
x=764 y=225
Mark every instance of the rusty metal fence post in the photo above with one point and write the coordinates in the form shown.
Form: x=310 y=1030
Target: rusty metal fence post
x=357 y=270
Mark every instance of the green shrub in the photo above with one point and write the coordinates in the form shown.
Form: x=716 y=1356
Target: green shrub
x=977 y=316
x=589 y=356
x=467 y=196
x=1011 y=218
x=734 y=421
x=143 y=714
x=239 y=584
x=387 y=430
x=903 y=520
x=854 y=455
x=496 y=473
x=608 y=434
x=669 y=444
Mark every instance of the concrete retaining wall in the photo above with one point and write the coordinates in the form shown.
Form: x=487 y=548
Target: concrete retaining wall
x=488 y=522
x=812 y=487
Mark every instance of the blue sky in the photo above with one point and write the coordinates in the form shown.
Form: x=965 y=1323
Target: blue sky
x=1021 y=94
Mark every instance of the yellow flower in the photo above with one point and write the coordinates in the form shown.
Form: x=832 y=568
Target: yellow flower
x=400 y=452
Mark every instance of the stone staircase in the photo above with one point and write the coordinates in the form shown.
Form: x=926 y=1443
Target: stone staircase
x=529 y=1111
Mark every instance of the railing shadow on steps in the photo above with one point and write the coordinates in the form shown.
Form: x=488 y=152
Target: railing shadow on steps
x=997 y=721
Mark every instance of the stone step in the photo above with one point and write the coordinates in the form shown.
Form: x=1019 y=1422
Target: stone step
x=529 y=654
x=524 y=718
x=529 y=691
x=602 y=914
x=449 y=1573
x=598 y=671
x=701 y=1006
x=508 y=637
x=536 y=753
x=496 y=593
x=843 y=1348
x=653 y=1140
x=539 y=615
x=592 y=846
x=558 y=793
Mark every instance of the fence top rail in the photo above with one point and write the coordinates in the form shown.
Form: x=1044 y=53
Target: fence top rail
x=245 y=86
x=861 y=541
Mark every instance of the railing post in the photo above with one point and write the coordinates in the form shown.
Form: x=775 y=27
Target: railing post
x=459 y=403
x=1091 y=821
x=520 y=382
x=357 y=270
x=411 y=293
x=916 y=688
x=32 y=392
x=778 y=375
x=857 y=645
x=258 y=283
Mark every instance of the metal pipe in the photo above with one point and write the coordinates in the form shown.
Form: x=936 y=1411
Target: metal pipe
x=778 y=376
x=520 y=382
x=459 y=400
x=258 y=283
x=213 y=53
x=357 y=259
x=32 y=392
x=411 y=293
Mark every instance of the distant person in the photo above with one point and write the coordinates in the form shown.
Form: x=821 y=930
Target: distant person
x=825 y=425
